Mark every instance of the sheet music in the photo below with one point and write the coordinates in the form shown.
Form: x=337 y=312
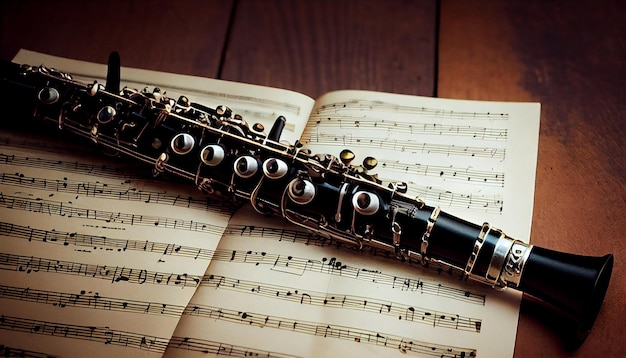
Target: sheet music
x=474 y=159
x=102 y=262
x=274 y=290
x=95 y=260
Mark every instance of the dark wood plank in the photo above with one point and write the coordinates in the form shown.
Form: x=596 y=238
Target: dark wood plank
x=175 y=36
x=319 y=46
x=569 y=56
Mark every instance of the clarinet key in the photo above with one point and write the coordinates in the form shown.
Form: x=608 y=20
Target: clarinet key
x=365 y=203
x=346 y=156
x=301 y=191
x=182 y=143
x=212 y=155
x=106 y=114
x=258 y=128
x=48 y=95
x=275 y=168
x=370 y=163
x=223 y=111
x=246 y=166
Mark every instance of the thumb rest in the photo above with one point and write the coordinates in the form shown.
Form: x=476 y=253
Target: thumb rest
x=225 y=157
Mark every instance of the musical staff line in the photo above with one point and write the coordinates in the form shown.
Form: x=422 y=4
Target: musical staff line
x=348 y=122
x=67 y=166
x=490 y=203
x=279 y=234
x=124 y=191
x=348 y=140
x=91 y=300
x=32 y=265
x=93 y=242
x=466 y=175
x=219 y=348
x=50 y=207
x=104 y=335
x=380 y=106
x=332 y=266
x=356 y=335
x=7 y=351
x=342 y=301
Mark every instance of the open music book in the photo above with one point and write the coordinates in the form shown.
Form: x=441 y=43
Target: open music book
x=99 y=259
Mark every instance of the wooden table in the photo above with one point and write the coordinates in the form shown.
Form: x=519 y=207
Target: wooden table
x=570 y=56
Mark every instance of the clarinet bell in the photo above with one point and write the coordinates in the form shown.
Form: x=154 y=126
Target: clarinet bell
x=572 y=285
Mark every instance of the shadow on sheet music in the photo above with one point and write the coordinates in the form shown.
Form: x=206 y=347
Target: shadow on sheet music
x=547 y=321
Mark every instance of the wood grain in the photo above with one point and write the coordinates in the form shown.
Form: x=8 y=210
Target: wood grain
x=320 y=46
x=570 y=57
x=175 y=36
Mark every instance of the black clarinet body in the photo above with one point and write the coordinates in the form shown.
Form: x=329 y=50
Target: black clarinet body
x=226 y=157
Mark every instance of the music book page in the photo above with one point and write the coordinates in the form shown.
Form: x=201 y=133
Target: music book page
x=101 y=260
x=279 y=291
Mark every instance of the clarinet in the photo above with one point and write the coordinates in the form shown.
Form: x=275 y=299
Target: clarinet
x=327 y=195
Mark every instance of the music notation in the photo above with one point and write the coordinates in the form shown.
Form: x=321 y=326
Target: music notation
x=333 y=266
x=364 y=105
x=453 y=158
x=7 y=351
x=343 y=301
x=467 y=175
x=67 y=166
x=376 y=123
x=219 y=348
x=58 y=208
x=409 y=146
x=104 y=335
x=89 y=243
x=92 y=300
x=92 y=242
x=489 y=203
x=123 y=191
x=33 y=265
x=361 y=336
